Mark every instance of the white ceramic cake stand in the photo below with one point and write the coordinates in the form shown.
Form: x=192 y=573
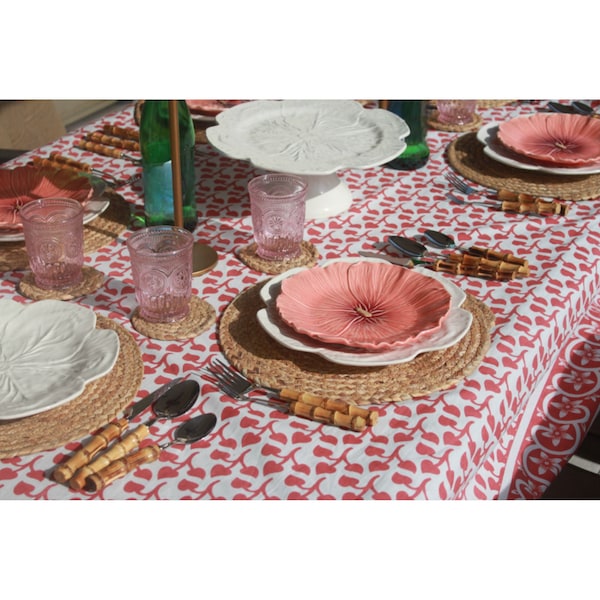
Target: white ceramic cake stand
x=311 y=138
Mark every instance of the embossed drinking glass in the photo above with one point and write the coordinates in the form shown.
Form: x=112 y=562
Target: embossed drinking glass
x=53 y=231
x=161 y=263
x=278 y=206
x=456 y=112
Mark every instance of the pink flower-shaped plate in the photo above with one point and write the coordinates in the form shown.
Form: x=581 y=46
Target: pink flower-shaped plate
x=367 y=305
x=554 y=138
x=210 y=108
x=21 y=185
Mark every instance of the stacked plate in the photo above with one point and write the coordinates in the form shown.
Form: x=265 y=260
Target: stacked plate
x=50 y=350
x=21 y=185
x=556 y=143
x=207 y=110
x=363 y=312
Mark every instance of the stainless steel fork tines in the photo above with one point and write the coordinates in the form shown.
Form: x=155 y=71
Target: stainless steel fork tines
x=460 y=185
x=231 y=382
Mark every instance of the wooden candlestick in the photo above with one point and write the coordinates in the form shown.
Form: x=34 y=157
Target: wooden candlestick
x=176 y=163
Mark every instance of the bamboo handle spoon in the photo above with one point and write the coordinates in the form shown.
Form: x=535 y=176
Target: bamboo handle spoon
x=187 y=433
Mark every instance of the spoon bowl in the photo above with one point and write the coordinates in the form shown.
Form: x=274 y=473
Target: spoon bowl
x=192 y=430
x=176 y=401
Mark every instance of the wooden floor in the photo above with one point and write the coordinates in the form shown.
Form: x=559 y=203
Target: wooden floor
x=580 y=479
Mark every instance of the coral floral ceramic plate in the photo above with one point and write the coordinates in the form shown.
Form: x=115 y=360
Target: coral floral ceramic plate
x=49 y=351
x=554 y=138
x=368 y=305
x=452 y=328
x=496 y=150
x=21 y=185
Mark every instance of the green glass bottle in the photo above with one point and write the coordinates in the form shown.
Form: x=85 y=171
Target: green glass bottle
x=416 y=153
x=155 y=146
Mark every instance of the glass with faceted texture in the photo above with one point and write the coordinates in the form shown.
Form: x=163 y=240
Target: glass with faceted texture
x=161 y=264
x=278 y=205
x=456 y=112
x=53 y=231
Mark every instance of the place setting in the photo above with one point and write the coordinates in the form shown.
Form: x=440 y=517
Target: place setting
x=359 y=330
x=68 y=368
x=548 y=154
x=71 y=371
x=105 y=216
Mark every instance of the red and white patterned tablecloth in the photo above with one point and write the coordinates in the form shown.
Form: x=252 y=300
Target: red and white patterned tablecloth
x=504 y=432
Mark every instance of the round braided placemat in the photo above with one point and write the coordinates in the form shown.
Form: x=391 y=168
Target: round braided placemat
x=201 y=316
x=434 y=123
x=493 y=103
x=466 y=155
x=100 y=232
x=262 y=359
x=308 y=258
x=91 y=281
x=101 y=401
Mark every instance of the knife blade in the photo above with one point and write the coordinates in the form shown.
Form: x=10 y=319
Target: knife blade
x=561 y=108
x=113 y=430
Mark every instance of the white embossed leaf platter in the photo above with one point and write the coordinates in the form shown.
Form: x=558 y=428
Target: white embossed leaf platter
x=368 y=305
x=49 y=351
x=309 y=137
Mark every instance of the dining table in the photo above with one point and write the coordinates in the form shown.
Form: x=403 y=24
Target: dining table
x=494 y=417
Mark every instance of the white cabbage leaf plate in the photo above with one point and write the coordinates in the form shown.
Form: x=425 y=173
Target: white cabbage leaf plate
x=49 y=351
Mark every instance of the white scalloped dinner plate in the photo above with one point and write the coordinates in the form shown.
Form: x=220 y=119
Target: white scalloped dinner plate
x=49 y=351
x=454 y=327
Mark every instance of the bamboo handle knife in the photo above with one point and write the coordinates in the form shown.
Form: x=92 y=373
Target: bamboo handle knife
x=121 y=467
x=111 y=432
x=117 y=451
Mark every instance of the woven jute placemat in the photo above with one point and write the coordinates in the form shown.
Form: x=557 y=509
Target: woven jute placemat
x=262 y=359
x=466 y=155
x=100 y=232
x=201 y=316
x=101 y=401
x=91 y=281
x=308 y=258
x=493 y=103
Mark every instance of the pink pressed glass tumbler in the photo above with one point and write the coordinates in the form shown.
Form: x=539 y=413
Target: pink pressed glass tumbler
x=161 y=264
x=278 y=206
x=456 y=112
x=53 y=231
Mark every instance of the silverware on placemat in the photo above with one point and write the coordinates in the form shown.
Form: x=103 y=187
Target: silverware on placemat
x=301 y=404
x=507 y=201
